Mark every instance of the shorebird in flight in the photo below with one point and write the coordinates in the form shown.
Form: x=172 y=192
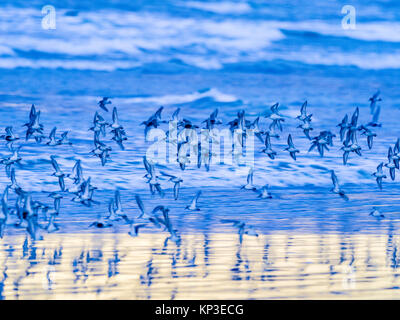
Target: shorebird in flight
x=291 y=148
x=103 y=103
x=193 y=205
x=379 y=175
x=336 y=188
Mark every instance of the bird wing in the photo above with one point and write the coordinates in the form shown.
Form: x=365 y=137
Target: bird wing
x=166 y=174
x=213 y=115
x=53 y=133
x=140 y=203
x=335 y=180
x=274 y=108
x=255 y=122
x=32 y=114
x=375 y=96
x=115 y=115
x=313 y=145
x=176 y=191
x=54 y=163
x=158 y=208
x=370 y=141
x=397 y=146
x=95 y=118
x=76 y=167
x=12 y=176
x=147 y=165
x=267 y=140
x=175 y=114
x=290 y=141
x=198 y=195
x=158 y=112
x=345 y=157
x=259 y=136
x=303 y=109
x=250 y=176
x=354 y=118
x=375 y=117
x=344 y=122
x=61 y=183
x=390 y=154
x=195 y=198
x=349 y=138
x=103 y=157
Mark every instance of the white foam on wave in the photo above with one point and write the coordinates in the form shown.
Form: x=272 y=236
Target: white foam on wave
x=4 y=50
x=370 y=60
x=81 y=64
x=367 y=31
x=214 y=93
x=220 y=7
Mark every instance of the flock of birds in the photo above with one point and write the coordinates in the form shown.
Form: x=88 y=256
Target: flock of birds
x=26 y=210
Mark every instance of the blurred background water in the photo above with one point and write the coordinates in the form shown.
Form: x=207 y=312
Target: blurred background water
x=200 y=55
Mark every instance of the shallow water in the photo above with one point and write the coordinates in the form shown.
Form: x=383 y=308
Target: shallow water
x=307 y=248
x=199 y=55
x=213 y=266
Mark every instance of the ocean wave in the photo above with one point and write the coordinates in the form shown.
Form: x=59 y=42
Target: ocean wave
x=365 y=60
x=109 y=40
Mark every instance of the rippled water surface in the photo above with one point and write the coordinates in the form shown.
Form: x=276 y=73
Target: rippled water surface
x=199 y=56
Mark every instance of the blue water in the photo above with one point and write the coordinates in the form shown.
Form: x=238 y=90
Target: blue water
x=200 y=55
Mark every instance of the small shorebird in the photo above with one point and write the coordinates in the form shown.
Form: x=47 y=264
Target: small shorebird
x=249 y=185
x=268 y=150
x=344 y=126
x=103 y=102
x=336 y=188
x=391 y=165
x=193 y=205
x=379 y=175
x=303 y=113
x=276 y=117
x=176 y=181
x=375 y=213
x=263 y=192
x=291 y=148
x=58 y=173
x=374 y=99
